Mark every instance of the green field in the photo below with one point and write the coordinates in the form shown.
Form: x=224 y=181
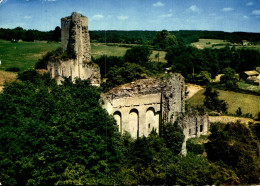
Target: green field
x=24 y=55
x=217 y=43
x=209 y=43
x=248 y=103
x=99 y=49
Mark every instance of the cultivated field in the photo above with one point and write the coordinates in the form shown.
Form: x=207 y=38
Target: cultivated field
x=248 y=103
x=217 y=43
x=210 y=43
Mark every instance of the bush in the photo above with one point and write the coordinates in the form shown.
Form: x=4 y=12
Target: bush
x=239 y=111
x=57 y=54
x=13 y=69
x=212 y=102
x=194 y=148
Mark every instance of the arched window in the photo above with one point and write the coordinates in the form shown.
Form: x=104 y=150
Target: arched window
x=134 y=123
x=118 y=117
x=152 y=120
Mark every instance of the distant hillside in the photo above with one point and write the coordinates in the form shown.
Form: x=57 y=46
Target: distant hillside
x=130 y=37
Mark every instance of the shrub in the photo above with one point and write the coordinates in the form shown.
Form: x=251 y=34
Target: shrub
x=13 y=69
x=194 y=148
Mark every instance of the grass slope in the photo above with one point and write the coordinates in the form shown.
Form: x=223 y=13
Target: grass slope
x=248 y=103
x=23 y=55
x=99 y=49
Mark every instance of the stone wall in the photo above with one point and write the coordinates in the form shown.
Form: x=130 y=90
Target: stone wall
x=75 y=36
x=144 y=104
x=194 y=124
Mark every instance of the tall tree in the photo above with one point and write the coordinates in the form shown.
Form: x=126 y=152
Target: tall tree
x=164 y=39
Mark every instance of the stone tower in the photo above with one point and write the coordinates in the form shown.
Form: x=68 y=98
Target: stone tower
x=75 y=38
x=74 y=34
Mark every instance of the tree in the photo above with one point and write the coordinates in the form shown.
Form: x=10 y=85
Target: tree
x=29 y=36
x=56 y=34
x=203 y=78
x=138 y=54
x=52 y=133
x=173 y=137
x=106 y=62
x=234 y=145
x=239 y=111
x=120 y=75
x=212 y=102
x=197 y=170
x=229 y=79
x=164 y=39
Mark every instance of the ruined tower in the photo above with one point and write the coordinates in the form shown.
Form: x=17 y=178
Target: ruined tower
x=74 y=34
x=75 y=39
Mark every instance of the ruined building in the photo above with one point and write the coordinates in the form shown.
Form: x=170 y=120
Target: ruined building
x=75 y=39
x=147 y=104
x=138 y=107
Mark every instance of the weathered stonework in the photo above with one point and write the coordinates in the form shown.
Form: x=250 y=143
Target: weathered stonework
x=75 y=37
x=194 y=124
x=140 y=106
x=145 y=104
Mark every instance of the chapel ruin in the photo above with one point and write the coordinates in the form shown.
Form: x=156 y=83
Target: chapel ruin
x=138 y=107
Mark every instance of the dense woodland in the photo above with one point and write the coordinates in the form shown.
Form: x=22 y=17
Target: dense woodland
x=129 y=37
x=59 y=134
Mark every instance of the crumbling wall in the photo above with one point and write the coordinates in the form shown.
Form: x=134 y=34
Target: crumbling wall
x=173 y=98
x=194 y=124
x=75 y=38
x=145 y=104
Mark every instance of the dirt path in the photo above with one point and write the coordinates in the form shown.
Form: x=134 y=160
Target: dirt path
x=192 y=89
x=226 y=119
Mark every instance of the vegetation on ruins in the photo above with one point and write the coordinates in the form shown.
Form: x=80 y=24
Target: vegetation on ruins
x=54 y=55
x=59 y=134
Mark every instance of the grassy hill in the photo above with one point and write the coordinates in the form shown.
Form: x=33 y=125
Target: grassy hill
x=248 y=103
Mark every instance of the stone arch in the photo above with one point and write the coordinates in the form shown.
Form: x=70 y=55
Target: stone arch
x=118 y=117
x=134 y=123
x=152 y=120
